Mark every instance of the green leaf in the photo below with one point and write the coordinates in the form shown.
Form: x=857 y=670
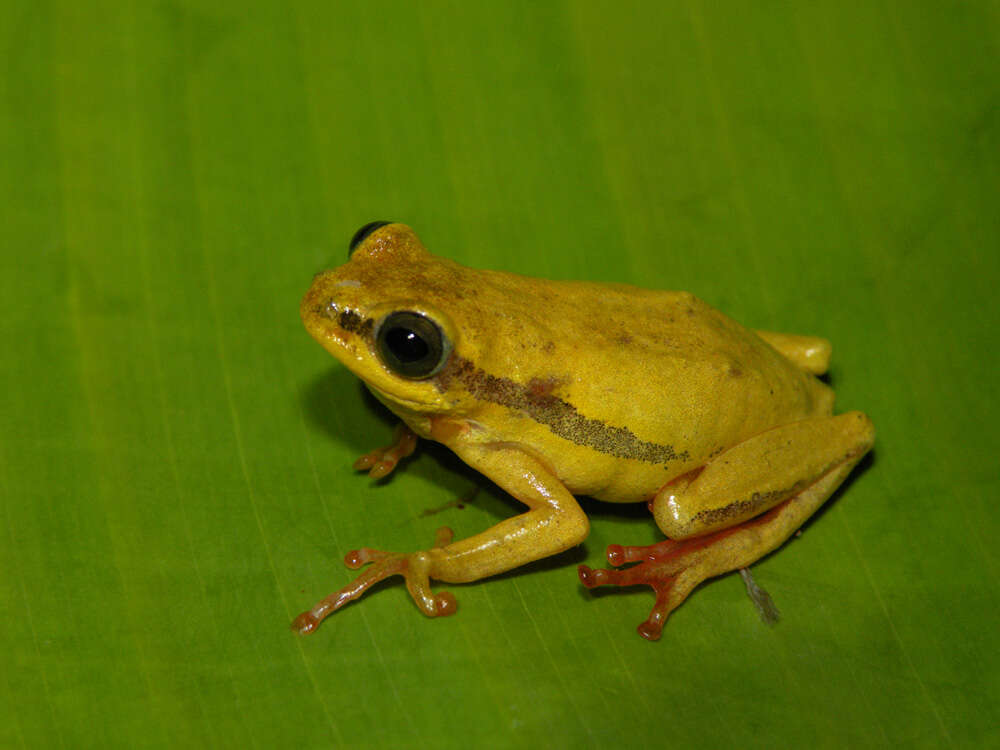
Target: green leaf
x=175 y=451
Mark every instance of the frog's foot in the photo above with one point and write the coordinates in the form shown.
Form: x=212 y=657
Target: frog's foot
x=675 y=566
x=671 y=568
x=381 y=462
x=413 y=567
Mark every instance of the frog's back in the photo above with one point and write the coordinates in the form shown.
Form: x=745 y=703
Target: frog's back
x=653 y=368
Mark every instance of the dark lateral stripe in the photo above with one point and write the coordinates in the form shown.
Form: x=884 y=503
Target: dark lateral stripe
x=559 y=416
x=351 y=321
x=347 y=319
x=749 y=507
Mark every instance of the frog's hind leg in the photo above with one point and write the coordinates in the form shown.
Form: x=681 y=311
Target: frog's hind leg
x=675 y=566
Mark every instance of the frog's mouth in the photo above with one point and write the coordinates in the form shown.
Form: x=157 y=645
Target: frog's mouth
x=341 y=331
x=399 y=405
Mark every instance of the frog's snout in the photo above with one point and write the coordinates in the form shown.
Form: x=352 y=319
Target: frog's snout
x=313 y=302
x=319 y=308
x=330 y=313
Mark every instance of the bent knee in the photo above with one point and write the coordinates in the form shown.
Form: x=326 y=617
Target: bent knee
x=673 y=515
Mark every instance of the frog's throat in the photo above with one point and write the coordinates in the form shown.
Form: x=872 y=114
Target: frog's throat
x=408 y=410
x=560 y=416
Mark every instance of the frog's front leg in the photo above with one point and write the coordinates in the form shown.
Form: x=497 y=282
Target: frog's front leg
x=381 y=461
x=737 y=508
x=553 y=523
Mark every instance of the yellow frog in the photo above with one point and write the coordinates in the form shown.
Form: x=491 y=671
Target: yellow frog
x=554 y=389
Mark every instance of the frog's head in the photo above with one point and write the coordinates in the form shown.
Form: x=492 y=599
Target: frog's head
x=382 y=315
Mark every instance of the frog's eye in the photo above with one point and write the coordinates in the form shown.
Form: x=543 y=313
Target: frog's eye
x=411 y=344
x=362 y=233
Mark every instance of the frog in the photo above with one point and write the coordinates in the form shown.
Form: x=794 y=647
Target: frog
x=559 y=389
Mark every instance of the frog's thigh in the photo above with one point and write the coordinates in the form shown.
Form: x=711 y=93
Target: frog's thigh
x=759 y=473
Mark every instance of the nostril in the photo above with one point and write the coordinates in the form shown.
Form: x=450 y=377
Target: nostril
x=329 y=309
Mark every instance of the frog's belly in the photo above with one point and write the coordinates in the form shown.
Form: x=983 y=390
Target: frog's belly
x=616 y=480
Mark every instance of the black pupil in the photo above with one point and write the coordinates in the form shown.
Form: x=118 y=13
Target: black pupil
x=406 y=344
